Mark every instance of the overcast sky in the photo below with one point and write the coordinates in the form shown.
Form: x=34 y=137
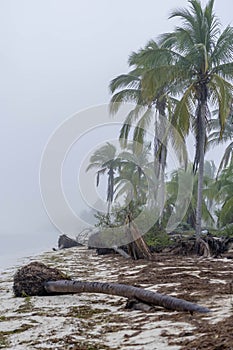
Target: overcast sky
x=57 y=57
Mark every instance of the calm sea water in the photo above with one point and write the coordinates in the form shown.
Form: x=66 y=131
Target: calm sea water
x=15 y=247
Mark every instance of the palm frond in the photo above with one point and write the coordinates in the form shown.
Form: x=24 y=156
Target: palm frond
x=223 y=92
x=227 y=157
x=124 y=96
x=184 y=111
x=223 y=49
x=226 y=214
x=124 y=80
x=129 y=122
x=224 y=70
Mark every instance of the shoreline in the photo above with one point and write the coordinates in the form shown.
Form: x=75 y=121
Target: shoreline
x=15 y=261
x=15 y=248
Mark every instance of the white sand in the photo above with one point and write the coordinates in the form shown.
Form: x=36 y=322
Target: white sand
x=63 y=322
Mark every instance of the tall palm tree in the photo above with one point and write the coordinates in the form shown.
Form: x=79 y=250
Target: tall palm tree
x=201 y=64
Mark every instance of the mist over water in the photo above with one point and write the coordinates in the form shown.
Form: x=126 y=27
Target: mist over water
x=16 y=246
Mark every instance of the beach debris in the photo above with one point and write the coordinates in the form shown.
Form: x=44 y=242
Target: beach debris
x=38 y=279
x=29 y=279
x=65 y=242
x=207 y=245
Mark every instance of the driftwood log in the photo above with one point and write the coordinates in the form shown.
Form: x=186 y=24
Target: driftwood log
x=38 y=279
x=65 y=242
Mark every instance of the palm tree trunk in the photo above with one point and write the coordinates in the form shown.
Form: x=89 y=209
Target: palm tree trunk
x=200 y=160
x=38 y=279
x=160 y=153
x=123 y=290
x=156 y=148
x=110 y=189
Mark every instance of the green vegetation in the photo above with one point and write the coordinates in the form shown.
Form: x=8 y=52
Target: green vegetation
x=174 y=82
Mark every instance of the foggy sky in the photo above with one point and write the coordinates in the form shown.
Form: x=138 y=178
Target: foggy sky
x=56 y=58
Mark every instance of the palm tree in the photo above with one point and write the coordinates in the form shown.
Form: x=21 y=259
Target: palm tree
x=106 y=161
x=201 y=65
x=152 y=106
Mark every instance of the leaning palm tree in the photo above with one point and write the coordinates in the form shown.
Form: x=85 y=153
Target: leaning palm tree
x=201 y=64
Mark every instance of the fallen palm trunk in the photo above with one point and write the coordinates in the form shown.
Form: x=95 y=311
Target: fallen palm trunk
x=123 y=290
x=38 y=279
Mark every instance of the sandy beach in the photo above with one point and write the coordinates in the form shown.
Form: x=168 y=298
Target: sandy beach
x=98 y=321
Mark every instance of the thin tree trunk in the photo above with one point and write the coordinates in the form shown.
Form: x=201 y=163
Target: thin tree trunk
x=110 y=190
x=160 y=153
x=156 y=148
x=201 y=135
x=123 y=290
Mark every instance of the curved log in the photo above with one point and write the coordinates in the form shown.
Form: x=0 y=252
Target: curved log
x=38 y=279
x=126 y=291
